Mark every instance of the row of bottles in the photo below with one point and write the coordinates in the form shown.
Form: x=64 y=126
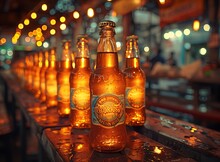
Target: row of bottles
x=104 y=99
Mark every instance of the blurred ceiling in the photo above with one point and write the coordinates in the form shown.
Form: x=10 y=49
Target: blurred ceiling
x=12 y=12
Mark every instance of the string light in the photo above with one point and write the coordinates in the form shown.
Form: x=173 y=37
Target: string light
x=26 y=22
x=196 y=25
x=33 y=15
x=20 y=26
x=63 y=26
x=76 y=15
x=62 y=19
x=44 y=7
x=53 y=22
x=52 y=31
x=44 y=27
x=90 y=12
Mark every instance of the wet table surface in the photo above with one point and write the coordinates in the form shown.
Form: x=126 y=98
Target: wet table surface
x=64 y=144
x=198 y=142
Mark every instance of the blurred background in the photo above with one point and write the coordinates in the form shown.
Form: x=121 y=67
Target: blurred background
x=178 y=42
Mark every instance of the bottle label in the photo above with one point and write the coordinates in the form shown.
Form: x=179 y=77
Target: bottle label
x=108 y=110
x=80 y=98
x=63 y=93
x=51 y=87
x=134 y=97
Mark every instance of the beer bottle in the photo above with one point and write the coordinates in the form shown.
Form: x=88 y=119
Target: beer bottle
x=51 y=80
x=135 y=84
x=28 y=72
x=42 y=76
x=36 y=73
x=80 y=116
x=107 y=86
x=63 y=84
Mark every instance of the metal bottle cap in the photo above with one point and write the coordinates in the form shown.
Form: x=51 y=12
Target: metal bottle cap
x=132 y=37
x=79 y=36
x=107 y=23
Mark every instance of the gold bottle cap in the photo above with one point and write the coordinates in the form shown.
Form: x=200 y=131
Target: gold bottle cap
x=132 y=37
x=79 y=36
x=107 y=23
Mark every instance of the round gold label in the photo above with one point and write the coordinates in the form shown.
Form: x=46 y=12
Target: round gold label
x=136 y=97
x=109 y=110
x=81 y=98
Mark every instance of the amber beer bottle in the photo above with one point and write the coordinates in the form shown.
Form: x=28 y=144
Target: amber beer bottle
x=51 y=80
x=135 y=84
x=80 y=116
x=63 y=84
x=42 y=76
x=107 y=86
x=28 y=72
x=36 y=73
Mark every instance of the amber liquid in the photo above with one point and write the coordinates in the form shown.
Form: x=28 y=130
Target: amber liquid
x=135 y=79
x=107 y=79
x=42 y=84
x=36 y=82
x=63 y=92
x=80 y=115
x=51 y=85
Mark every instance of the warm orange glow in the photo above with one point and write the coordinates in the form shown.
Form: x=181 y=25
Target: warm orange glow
x=27 y=39
x=26 y=22
x=20 y=26
x=44 y=7
x=162 y=1
x=2 y=41
x=76 y=15
x=52 y=31
x=33 y=15
x=53 y=22
x=90 y=12
x=62 y=19
x=30 y=34
x=14 y=40
x=79 y=146
x=196 y=25
x=193 y=130
x=44 y=27
x=157 y=150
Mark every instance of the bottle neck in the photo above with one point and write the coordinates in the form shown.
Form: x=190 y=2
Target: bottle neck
x=132 y=62
x=82 y=62
x=65 y=64
x=107 y=41
x=107 y=52
x=52 y=61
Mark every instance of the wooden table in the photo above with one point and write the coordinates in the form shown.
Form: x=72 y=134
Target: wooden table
x=155 y=141
x=64 y=144
x=195 y=141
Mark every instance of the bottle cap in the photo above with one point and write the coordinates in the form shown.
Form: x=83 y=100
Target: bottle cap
x=132 y=37
x=107 y=23
x=79 y=36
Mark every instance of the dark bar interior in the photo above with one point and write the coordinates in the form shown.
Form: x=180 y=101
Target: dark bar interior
x=109 y=80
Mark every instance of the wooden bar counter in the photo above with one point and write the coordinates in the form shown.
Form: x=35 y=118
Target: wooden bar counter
x=155 y=141
x=66 y=145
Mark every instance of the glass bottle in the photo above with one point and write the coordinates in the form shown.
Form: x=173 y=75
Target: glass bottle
x=51 y=80
x=28 y=72
x=80 y=116
x=42 y=76
x=36 y=73
x=63 y=84
x=135 y=84
x=107 y=87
